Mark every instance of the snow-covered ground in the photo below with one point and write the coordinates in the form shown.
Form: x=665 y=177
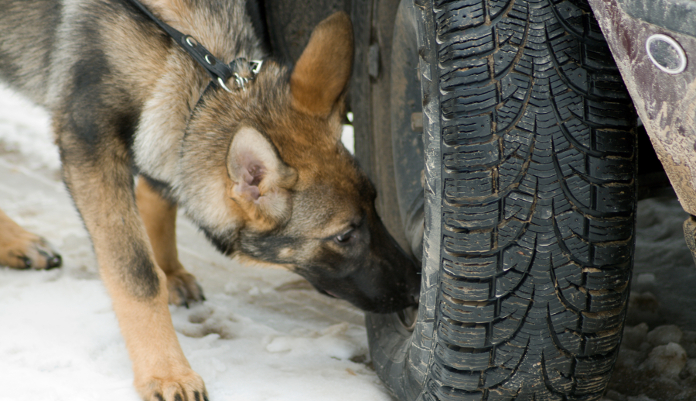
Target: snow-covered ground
x=264 y=334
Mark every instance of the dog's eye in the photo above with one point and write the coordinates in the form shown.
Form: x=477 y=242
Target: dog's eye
x=344 y=238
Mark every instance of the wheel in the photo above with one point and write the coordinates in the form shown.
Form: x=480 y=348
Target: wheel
x=518 y=193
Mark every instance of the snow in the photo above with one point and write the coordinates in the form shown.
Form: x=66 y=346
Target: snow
x=664 y=335
x=262 y=334
x=645 y=278
x=667 y=360
x=348 y=135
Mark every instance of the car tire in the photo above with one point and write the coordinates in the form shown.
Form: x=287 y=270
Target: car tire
x=521 y=184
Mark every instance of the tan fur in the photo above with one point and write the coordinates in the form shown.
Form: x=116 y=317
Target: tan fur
x=315 y=88
x=272 y=204
x=159 y=364
x=159 y=217
x=21 y=249
x=261 y=171
x=27 y=46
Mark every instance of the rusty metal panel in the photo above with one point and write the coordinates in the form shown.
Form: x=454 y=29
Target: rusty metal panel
x=675 y=15
x=666 y=102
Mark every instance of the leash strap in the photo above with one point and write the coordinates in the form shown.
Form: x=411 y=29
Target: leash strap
x=218 y=70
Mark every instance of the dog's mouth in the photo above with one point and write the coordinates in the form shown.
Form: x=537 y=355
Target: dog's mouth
x=325 y=292
x=407 y=314
x=388 y=299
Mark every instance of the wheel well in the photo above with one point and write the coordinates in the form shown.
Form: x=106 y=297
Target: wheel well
x=290 y=23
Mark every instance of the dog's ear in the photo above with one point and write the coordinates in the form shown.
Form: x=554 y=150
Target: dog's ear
x=260 y=178
x=322 y=72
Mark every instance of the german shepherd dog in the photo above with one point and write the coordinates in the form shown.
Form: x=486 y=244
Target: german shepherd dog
x=260 y=168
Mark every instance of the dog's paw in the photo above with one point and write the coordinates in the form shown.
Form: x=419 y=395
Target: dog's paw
x=24 y=250
x=183 y=288
x=189 y=387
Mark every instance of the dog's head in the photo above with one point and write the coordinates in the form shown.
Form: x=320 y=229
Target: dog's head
x=293 y=195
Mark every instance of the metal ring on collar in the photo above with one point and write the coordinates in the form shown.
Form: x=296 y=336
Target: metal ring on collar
x=241 y=81
x=222 y=85
x=256 y=66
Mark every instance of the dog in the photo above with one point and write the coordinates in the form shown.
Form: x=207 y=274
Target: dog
x=142 y=129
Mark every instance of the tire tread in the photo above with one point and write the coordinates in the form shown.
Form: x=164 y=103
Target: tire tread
x=538 y=202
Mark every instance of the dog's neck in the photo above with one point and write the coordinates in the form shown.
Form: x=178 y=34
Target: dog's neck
x=174 y=95
x=166 y=113
x=223 y=27
x=241 y=69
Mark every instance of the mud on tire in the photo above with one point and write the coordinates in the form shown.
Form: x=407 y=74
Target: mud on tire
x=530 y=166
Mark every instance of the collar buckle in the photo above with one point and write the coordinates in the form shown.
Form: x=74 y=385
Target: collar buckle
x=239 y=67
x=217 y=69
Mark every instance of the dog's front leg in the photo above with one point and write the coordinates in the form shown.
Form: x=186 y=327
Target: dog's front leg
x=159 y=216
x=101 y=183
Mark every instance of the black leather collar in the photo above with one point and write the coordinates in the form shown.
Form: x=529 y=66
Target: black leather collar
x=219 y=71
